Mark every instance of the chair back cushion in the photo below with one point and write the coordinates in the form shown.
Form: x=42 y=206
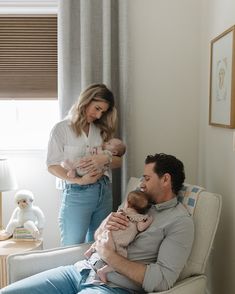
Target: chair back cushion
x=205 y=208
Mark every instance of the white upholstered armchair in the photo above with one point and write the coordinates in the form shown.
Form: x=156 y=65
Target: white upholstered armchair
x=205 y=208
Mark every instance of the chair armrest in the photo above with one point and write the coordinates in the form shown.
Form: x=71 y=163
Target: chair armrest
x=26 y=264
x=192 y=285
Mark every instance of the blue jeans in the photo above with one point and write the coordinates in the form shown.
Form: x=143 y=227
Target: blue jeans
x=82 y=210
x=60 y=280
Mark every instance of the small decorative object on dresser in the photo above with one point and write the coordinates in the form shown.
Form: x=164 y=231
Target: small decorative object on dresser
x=22 y=234
x=25 y=215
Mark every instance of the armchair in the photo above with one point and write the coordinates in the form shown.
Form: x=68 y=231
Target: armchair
x=205 y=208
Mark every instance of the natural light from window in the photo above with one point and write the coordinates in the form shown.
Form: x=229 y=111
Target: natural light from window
x=26 y=124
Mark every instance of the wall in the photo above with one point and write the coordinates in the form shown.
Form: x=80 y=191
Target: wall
x=169 y=74
x=216 y=157
x=164 y=81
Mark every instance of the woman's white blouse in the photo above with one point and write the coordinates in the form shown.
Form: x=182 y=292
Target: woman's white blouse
x=64 y=144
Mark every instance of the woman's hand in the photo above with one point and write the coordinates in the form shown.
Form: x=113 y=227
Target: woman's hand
x=94 y=162
x=89 y=178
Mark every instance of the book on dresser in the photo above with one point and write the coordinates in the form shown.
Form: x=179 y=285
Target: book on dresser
x=21 y=234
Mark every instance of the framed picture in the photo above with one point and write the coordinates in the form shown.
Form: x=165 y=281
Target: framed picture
x=222 y=80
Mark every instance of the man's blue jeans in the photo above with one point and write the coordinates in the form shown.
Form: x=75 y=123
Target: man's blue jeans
x=82 y=210
x=61 y=280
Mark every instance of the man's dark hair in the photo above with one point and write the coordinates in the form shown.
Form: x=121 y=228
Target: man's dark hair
x=165 y=163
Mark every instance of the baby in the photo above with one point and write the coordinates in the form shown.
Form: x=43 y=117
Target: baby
x=113 y=147
x=135 y=208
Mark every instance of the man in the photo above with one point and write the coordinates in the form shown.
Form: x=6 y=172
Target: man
x=159 y=254
x=155 y=258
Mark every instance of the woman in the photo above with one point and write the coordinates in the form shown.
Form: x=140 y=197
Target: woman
x=87 y=200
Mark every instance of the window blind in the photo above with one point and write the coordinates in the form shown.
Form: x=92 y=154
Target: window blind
x=28 y=57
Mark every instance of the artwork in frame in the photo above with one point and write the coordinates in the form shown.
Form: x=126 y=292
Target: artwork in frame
x=222 y=80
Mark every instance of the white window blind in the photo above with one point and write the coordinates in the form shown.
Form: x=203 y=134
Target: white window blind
x=28 y=57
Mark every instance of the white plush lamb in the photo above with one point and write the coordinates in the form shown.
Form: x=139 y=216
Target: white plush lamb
x=25 y=215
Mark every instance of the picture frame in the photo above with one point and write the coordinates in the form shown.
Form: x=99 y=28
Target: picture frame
x=222 y=80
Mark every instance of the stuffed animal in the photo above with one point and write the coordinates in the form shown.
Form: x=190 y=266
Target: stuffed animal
x=25 y=215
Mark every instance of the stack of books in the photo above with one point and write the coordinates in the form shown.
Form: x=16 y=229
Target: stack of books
x=21 y=234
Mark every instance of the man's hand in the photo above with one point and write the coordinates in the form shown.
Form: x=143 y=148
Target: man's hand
x=104 y=245
x=116 y=221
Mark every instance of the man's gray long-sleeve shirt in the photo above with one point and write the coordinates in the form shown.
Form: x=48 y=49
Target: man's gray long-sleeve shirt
x=164 y=247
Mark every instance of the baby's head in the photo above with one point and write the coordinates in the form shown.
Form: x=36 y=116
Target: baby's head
x=116 y=146
x=138 y=200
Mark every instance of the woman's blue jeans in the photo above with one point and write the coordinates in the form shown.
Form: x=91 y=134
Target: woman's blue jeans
x=61 y=280
x=83 y=208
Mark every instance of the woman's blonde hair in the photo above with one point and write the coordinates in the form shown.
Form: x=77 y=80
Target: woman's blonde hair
x=108 y=121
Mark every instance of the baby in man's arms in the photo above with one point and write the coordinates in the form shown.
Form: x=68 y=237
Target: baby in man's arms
x=135 y=209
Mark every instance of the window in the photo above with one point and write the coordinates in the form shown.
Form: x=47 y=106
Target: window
x=28 y=73
x=26 y=124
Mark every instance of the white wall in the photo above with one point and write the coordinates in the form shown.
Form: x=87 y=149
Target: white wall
x=169 y=88
x=31 y=173
x=216 y=157
x=164 y=81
